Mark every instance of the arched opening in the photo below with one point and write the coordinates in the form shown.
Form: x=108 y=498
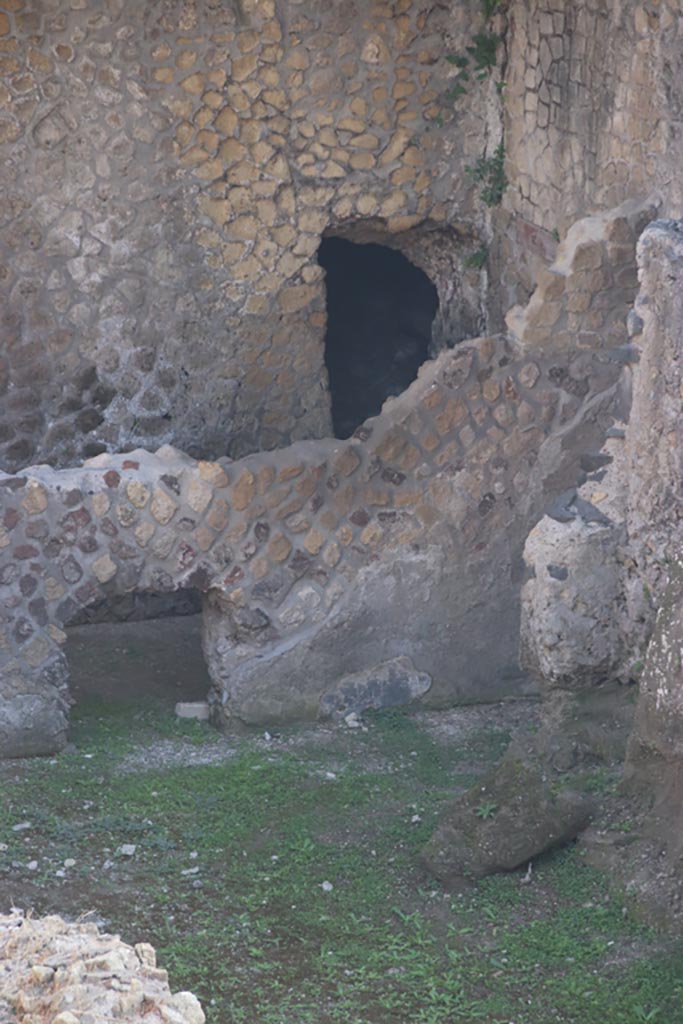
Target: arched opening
x=380 y=309
x=139 y=661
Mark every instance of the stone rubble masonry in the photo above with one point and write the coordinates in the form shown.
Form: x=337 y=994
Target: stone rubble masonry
x=600 y=573
x=73 y=974
x=328 y=557
x=167 y=174
x=605 y=597
x=592 y=117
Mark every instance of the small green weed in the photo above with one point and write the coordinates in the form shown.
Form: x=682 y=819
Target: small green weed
x=477 y=259
x=489 y=173
x=486 y=810
x=489 y=8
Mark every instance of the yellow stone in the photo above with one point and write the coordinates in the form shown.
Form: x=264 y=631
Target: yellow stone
x=36 y=651
x=184 y=133
x=314 y=541
x=126 y=515
x=218 y=515
x=393 y=204
x=35 y=500
x=241 y=174
x=163 y=508
x=260 y=152
x=231 y=151
x=194 y=156
x=212 y=99
x=144 y=533
x=244 y=227
x=213 y=473
x=297 y=297
x=365 y=141
x=403 y=89
x=362 y=161
x=259 y=567
x=247 y=41
x=333 y=170
x=207 y=139
x=413 y=157
x=186 y=59
x=226 y=121
x=331 y=554
x=267 y=211
x=345 y=535
x=371 y=535
x=351 y=124
x=193 y=84
x=56 y=634
x=243 y=490
x=402 y=175
x=199 y=495
x=279 y=548
x=298 y=59
x=104 y=568
x=138 y=494
x=243 y=67
x=396 y=147
x=210 y=170
x=366 y=205
x=204 y=538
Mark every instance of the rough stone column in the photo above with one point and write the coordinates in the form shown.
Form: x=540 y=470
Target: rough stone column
x=655 y=497
x=33 y=699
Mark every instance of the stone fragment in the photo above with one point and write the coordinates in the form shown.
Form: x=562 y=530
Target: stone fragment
x=198 y=710
x=162 y=508
x=137 y=493
x=314 y=541
x=279 y=548
x=35 y=498
x=243 y=491
x=193 y=84
x=346 y=462
x=391 y=683
x=213 y=473
x=199 y=496
x=104 y=569
x=144 y=533
x=100 y=504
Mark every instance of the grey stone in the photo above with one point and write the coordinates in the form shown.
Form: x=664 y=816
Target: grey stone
x=517 y=813
x=390 y=684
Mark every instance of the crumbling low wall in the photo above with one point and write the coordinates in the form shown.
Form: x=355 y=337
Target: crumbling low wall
x=328 y=558
x=65 y=973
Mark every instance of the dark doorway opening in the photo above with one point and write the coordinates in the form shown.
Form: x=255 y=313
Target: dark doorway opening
x=380 y=309
x=139 y=662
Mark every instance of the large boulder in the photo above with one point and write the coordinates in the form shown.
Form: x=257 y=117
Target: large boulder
x=516 y=813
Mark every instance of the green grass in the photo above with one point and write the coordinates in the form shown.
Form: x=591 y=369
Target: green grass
x=227 y=881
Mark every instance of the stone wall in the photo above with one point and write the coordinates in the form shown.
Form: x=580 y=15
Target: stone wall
x=328 y=558
x=593 y=116
x=605 y=600
x=167 y=173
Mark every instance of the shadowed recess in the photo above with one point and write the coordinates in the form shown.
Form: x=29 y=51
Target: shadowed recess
x=380 y=309
x=139 y=660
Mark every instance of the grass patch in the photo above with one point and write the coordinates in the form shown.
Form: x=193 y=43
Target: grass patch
x=283 y=884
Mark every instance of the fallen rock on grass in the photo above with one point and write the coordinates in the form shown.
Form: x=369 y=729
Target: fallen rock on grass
x=52 y=970
x=514 y=814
